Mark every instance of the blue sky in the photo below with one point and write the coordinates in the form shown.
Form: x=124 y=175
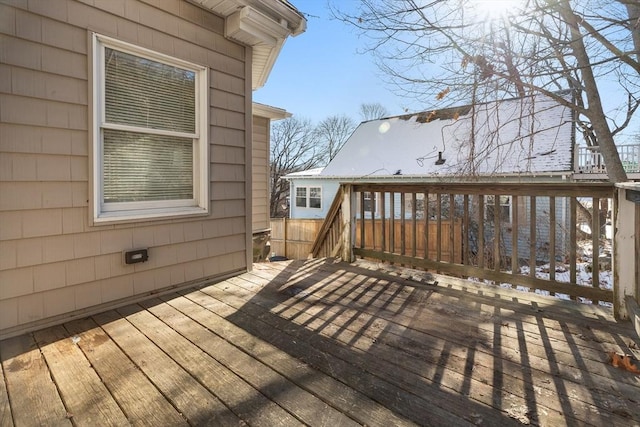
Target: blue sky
x=323 y=72
x=320 y=72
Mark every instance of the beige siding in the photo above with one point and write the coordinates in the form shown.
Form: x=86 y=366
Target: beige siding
x=52 y=261
x=260 y=162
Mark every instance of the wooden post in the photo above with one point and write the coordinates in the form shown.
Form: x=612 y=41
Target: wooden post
x=373 y=219
x=452 y=216
x=480 y=230
x=426 y=224
x=362 y=224
x=595 y=242
x=414 y=229
x=403 y=213
x=348 y=223
x=383 y=213
x=465 y=233
x=573 y=239
x=439 y=228
x=552 y=238
x=497 y=223
x=515 y=262
x=532 y=236
x=392 y=222
x=625 y=290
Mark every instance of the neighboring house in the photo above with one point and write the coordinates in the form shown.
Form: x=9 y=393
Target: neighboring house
x=310 y=197
x=127 y=131
x=531 y=138
x=528 y=139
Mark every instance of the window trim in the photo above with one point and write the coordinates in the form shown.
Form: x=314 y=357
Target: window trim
x=508 y=205
x=307 y=197
x=163 y=209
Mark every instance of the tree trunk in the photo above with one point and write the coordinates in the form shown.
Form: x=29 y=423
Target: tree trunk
x=633 y=9
x=594 y=112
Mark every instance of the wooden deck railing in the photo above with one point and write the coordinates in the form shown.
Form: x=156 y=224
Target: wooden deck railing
x=329 y=241
x=536 y=236
x=590 y=160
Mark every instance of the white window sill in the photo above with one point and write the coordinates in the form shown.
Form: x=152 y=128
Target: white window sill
x=148 y=215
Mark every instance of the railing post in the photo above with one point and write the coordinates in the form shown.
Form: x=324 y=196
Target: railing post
x=625 y=258
x=348 y=223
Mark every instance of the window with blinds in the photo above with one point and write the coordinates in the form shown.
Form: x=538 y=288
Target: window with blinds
x=150 y=133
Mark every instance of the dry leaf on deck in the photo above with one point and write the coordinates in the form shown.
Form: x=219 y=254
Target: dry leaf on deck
x=624 y=361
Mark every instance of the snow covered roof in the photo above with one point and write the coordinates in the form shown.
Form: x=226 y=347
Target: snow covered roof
x=305 y=173
x=526 y=136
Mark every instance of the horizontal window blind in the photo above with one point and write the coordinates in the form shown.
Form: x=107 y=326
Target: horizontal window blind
x=142 y=167
x=145 y=93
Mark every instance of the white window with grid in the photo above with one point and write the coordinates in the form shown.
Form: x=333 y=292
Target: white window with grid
x=504 y=206
x=150 y=151
x=309 y=197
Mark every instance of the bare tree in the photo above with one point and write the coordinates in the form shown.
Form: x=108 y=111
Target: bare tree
x=294 y=148
x=372 y=111
x=454 y=51
x=333 y=132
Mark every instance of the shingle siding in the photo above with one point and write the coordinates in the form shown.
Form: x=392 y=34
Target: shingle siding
x=260 y=173
x=53 y=261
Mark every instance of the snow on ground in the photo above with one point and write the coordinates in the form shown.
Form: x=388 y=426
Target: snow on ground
x=583 y=273
x=584 y=276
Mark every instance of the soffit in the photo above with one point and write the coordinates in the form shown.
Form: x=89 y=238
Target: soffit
x=262 y=24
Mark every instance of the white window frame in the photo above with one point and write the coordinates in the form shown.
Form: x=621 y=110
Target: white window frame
x=307 y=197
x=371 y=200
x=147 y=210
x=489 y=201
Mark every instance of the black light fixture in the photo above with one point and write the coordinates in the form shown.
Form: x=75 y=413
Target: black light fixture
x=440 y=160
x=136 y=256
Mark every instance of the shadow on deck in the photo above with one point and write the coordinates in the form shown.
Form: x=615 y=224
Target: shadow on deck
x=320 y=342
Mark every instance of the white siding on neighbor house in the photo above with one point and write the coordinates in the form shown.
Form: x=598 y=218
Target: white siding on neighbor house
x=329 y=190
x=52 y=261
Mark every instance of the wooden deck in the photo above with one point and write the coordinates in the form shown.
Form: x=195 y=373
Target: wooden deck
x=324 y=343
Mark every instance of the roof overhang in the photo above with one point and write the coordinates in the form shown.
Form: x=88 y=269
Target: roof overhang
x=262 y=24
x=269 y=112
x=431 y=179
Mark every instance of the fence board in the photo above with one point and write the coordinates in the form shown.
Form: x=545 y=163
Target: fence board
x=301 y=234
x=293 y=238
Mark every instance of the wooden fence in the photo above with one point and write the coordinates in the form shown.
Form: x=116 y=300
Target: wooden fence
x=294 y=238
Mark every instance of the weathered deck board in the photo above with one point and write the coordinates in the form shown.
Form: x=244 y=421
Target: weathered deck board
x=86 y=398
x=136 y=395
x=5 y=409
x=33 y=395
x=322 y=343
x=427 y=406
x=398 y=360
x=325 y=387
x=404 y=338
x=297 y=401
x=232 y=391
x=184 y=392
